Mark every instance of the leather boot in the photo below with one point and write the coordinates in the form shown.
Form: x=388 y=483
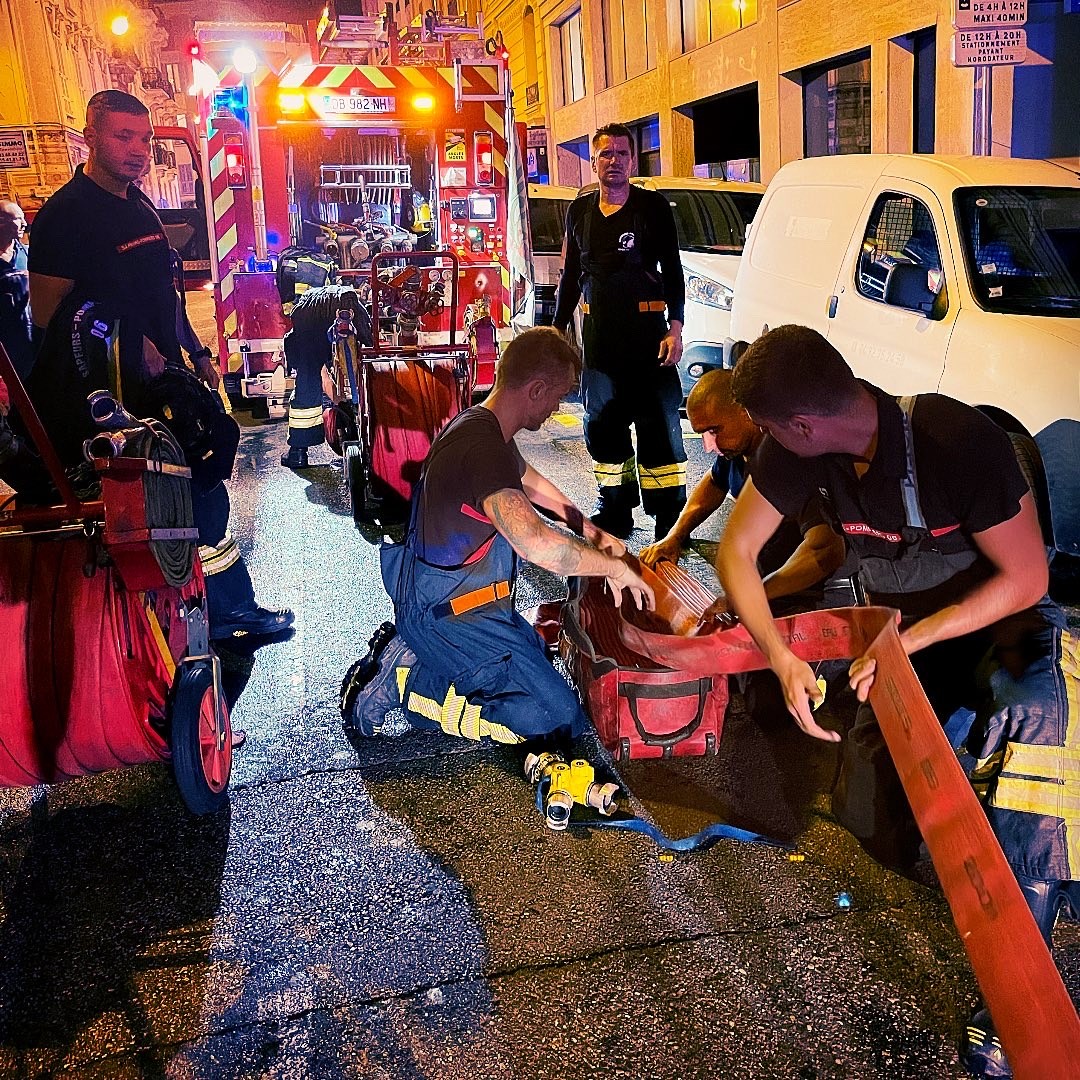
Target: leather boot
x=295 y=458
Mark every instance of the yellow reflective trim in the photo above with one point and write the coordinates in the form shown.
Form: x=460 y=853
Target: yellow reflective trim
x=1058 y=763
x=1037 y=797
x=415 y=76
x=402 y=673
x=305 y=419
x=666 y=477
x=426 y=707
x=492 y=117
x=456 y=716
x=1069 y=663
x=220 y=558
x=227 y=243
x=469 y=724
x=612 y=475
x=662 y=470
x=375 y=76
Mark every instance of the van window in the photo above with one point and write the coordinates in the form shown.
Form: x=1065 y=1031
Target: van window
x=712 y=221
x=547 y=220
x=900 y=232
x=1022 y=248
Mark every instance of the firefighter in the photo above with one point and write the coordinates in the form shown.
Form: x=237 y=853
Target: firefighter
x=621 y=257
x=308 y=353
x=932 y=504
x=462 y=659
x=100 y=239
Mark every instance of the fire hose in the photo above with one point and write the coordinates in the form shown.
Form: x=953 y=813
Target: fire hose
x=1032 y=1011
x=166 y=495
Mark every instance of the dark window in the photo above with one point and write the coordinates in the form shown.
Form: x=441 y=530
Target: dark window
x=836 y=107
x=900 y=233
x=547 y=220
x=924 y=50
x=713 y=221
x=1022 y=248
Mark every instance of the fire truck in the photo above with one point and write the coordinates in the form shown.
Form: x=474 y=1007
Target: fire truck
x=350 y=137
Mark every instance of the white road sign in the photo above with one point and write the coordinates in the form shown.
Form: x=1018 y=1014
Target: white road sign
x=995 y=46
x=973 y=14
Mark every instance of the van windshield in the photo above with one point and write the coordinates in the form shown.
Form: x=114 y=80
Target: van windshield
x=1022 y=248
x=712 y=221
x=547 y=220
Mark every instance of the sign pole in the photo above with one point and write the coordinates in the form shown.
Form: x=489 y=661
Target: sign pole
x=982 y=111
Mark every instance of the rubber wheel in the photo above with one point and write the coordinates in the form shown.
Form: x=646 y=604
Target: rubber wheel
x=357 y=481
x=200 y=767
x=1030 y=461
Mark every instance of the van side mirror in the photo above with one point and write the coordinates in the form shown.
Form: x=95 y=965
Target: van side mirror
x=907 y=286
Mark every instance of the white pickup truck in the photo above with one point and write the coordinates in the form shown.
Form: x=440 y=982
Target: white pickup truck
x=955 y=275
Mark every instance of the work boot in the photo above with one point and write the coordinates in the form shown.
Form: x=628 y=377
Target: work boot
x=295 y=458
x=980 y=1051
x=370 y=701
x=665 y=522
x=251 y=622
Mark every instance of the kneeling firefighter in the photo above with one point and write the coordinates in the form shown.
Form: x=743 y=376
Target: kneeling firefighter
x=85 y=349
x=308 y=352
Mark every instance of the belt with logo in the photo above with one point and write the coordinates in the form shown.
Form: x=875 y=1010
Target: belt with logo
x=643 y=305
x=487 y=594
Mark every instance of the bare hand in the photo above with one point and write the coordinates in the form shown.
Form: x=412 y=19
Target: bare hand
x=207 y=370
x=628 y=579
x=670 y=548
x=861 y=676
x=800 y=688
x=153 y=361
x=603 y=541
x=670 y=349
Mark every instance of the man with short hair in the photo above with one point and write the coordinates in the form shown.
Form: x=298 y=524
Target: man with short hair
x=99 y=238
x=462 y=659
x=621 y=257
x=15 y=326
x=931 y=502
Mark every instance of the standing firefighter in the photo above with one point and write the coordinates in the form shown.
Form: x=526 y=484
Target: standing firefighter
x=621 y=256
x=308 y=352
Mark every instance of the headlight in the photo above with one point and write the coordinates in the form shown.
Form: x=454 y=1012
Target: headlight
x=703 y=290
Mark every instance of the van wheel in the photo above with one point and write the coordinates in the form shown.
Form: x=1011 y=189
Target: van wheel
x=1030 y=461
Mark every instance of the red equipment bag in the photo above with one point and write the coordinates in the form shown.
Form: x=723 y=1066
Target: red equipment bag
x=640 y=708
x=409 y=402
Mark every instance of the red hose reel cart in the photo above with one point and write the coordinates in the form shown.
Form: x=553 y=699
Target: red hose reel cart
x=393 y=398
x=103 y=616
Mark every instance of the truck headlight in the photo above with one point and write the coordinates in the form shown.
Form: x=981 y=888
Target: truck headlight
x=703 y=290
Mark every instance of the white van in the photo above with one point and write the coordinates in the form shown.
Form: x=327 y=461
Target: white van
x=711 y=217
x=955 y=275
x=548 y=204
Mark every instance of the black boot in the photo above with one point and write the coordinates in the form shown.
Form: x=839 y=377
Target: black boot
x=980 y=1048
x=295 y=458
x=614 y=511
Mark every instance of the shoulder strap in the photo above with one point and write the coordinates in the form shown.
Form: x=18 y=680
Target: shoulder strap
x=586 y=225
x=909 y=485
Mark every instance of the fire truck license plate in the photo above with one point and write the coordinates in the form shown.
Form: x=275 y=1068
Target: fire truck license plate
x=356 y=103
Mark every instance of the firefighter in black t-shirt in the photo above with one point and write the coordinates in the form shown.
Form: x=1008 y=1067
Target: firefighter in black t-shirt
x=931 y=502
x=621 y=257
x=99 y=239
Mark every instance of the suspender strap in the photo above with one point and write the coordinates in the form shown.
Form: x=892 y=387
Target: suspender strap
x=909 y=485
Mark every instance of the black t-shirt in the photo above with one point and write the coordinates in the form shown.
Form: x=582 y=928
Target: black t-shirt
x=469 y=461
x=116 y=252
x=644 y=224
x=968 y=477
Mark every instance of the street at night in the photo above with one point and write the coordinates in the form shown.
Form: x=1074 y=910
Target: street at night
x=398 y=908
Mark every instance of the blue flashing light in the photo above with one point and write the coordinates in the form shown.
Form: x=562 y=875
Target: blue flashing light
x=232 y=101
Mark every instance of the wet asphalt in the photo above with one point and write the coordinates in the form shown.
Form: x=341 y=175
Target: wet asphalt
x=397 y=908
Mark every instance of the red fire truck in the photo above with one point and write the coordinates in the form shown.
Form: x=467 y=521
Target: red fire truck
x=351 y=137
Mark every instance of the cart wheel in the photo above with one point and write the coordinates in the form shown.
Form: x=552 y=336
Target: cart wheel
x=201 y=768
x=354 y=472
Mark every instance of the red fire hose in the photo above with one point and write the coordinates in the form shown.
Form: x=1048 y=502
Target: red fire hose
x=1032 y=1011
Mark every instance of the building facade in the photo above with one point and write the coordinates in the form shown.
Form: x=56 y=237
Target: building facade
x=54 y=56
x=738 y=87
